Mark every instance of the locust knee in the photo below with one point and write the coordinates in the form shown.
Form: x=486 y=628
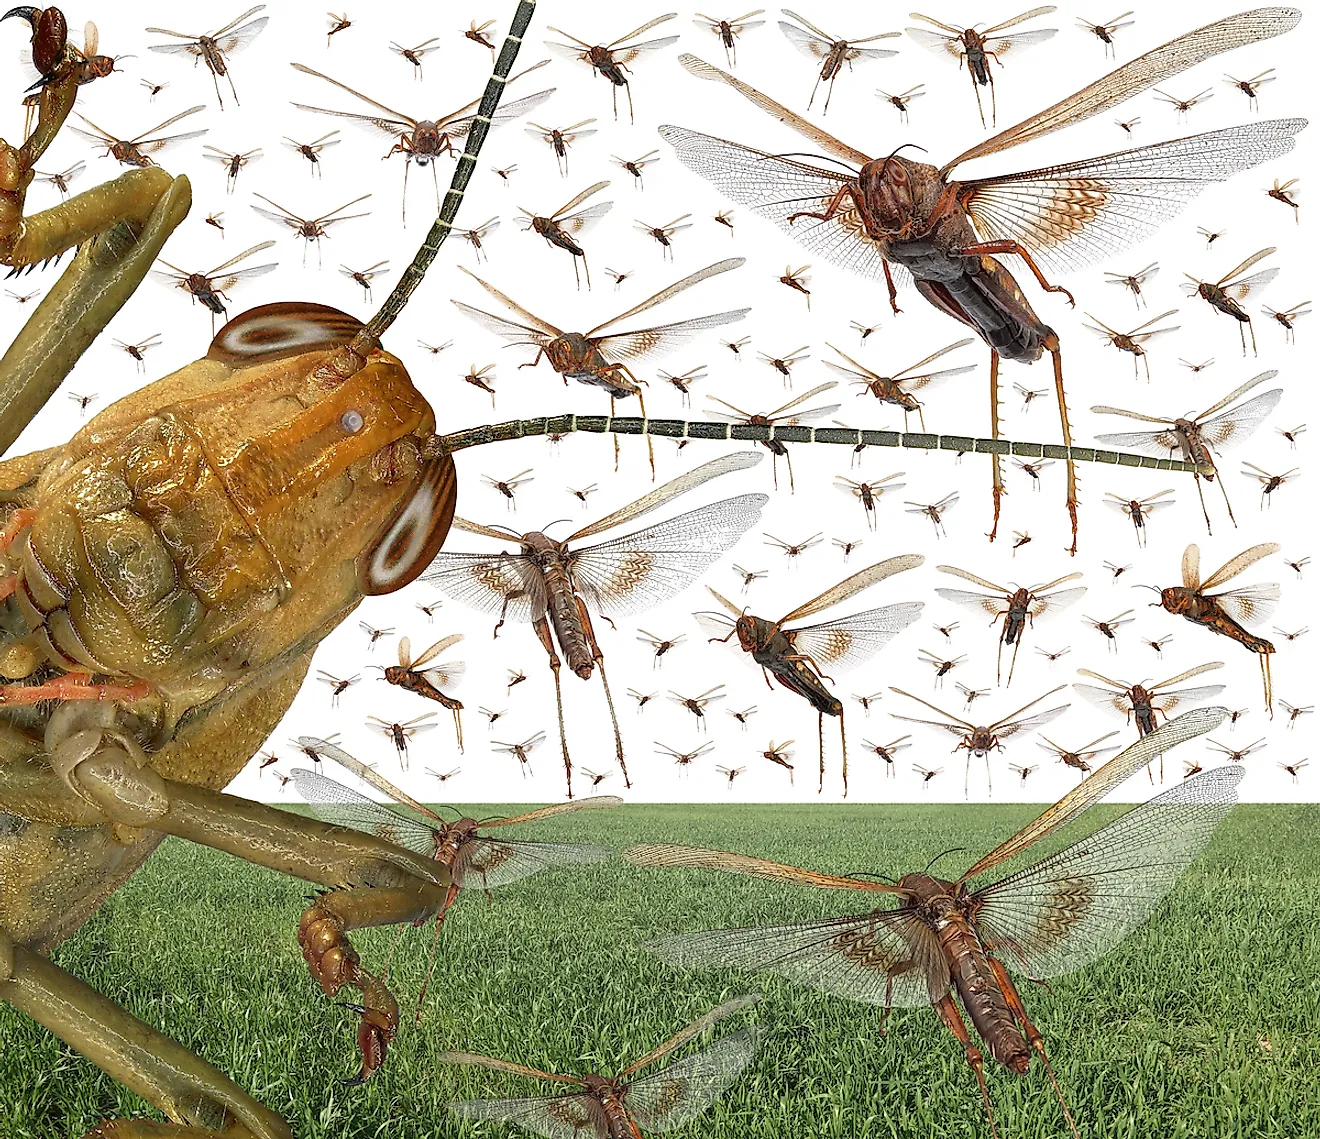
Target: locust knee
x=91 y=751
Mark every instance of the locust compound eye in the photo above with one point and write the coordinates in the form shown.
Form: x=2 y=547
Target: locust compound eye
x=352 y=422
x=287 y=328
x=414 y=534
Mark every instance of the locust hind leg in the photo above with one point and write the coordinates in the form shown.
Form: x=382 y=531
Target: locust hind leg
x=1052 y=345
x=1224 y=491
x=996 y=471
x=1032 y=1033
x=1204 y=512
x=203 y=1102
x=843 y=740
x=599 y=658
x=542 y=627
x=820 y=739
x=953 y=1020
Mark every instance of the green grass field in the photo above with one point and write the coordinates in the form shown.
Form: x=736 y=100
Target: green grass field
x=1201 y=1024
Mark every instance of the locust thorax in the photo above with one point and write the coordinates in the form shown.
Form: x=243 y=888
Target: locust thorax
x=1178 y=599
x=573 y=355
x=219 y=519
x=747 y=630
x=900 y=196
x=425 y=142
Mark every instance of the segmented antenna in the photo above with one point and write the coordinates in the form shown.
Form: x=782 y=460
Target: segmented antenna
x=370 y=336
x=799 y=433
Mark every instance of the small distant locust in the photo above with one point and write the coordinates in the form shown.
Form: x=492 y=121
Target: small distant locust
x=779 y=753
x=794 y=279
x=419 y=676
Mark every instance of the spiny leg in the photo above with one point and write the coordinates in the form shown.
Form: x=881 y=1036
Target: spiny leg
x=820 y=738
x=954 y=1022
x=843 y=740
x=996 y=472
x=599 y=658
x=435 y=942
x=1052 y=346
x=1224 y=491
x=1032 y=1033
x=1204 y=512
x=157 y=1068
x=542 y=627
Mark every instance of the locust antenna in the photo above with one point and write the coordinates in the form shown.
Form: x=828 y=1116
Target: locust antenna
x=889 y=157
x=951 y=850
x=349 y=359
x=822 y=158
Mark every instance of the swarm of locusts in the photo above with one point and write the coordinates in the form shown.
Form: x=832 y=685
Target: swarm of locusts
x=169 y=571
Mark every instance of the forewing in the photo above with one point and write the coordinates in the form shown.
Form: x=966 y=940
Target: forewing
x=534 y=321
x=673 y=290
x=507 y=584
x=1234 y=566
x=664 y=338
x=671 y=856
x=673 y=1097
x=1146 y=71
x=725 y=464
x=391 y=128
x=555 y=1117
x=776 y=187
x=855 y=584
x=341 y=806
x=488 y=864
x=1103 y=780
x=403 y=122
x=1076 y=905
x=643 y=569
x=851 y=641
x=1075 y=213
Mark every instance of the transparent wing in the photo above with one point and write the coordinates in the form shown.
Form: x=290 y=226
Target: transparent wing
x=851 y=641
x=583 y=220
x=391 y=128
x=642 y=569
x=1168 y=701
x=664 y=337
x=1047 y=604
x=1003 y=45
x=1250 y=605
x=1029 y=723
x=1074 y=906
x=334 y=803
x=1103 y=780
x=675 y=1096
x=994 y=606
x=488 y=864
x=555 y=1117
x=1075 y=213
x=1159 y=444
x=776 y=187
x=1237 y=423
x=510 y=330
x=886 y=957
x=459 y=126
x=1105 y=698
x=951 y=46
x=507 y=584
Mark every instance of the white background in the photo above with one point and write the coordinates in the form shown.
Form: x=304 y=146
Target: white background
x=944 y=122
